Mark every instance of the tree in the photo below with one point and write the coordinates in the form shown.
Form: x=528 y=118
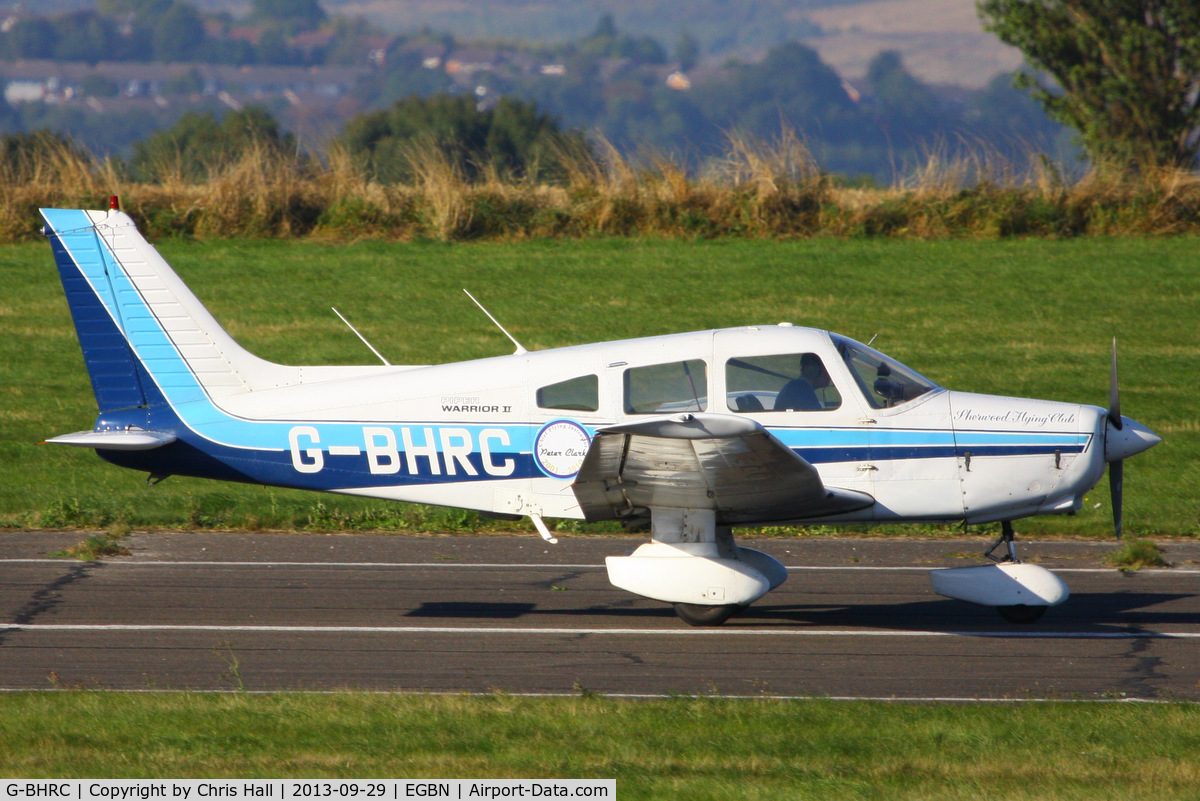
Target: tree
x=179 y=34
x=146 y=8
x=514 y=137
x=903 y=105
x=687 y=52
x=1126 y=74
x=291 y=16
x=32 y=37
x=198 y=146
x=606 y=28
x=1013 y=123
x=791 y=86
x=606 y=42
x=84 y=36
x=273 y=49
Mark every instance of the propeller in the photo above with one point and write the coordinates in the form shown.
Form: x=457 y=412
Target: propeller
x=1123 y=438
x=1116 y=468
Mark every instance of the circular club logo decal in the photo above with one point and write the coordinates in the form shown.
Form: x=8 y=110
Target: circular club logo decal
x=560 y=447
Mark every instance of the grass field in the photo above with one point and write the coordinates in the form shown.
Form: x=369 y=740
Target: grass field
x=1031 y=318
x=685 y=748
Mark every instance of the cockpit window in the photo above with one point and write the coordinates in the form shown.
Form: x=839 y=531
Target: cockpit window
x=786 y=382
x=884 y=381
x=580 y=394
x=667 y=388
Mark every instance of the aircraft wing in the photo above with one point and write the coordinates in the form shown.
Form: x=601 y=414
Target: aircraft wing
x=703 y=461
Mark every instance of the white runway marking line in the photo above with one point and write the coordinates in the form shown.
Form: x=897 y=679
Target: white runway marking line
x=549 y=566
x=892 y=699
x=198 y=563
x=690 y=632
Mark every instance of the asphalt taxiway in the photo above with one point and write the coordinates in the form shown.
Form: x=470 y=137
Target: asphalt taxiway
x=856 y=618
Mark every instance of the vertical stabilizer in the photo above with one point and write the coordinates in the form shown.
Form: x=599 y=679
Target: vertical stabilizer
x=145 y=336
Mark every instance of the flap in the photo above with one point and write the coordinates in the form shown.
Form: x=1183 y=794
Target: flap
x=704 y=461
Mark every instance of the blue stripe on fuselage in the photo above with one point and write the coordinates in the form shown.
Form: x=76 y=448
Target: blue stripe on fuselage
x=821 y=446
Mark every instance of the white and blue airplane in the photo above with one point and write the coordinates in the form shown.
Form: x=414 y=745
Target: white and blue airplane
x=692 y=433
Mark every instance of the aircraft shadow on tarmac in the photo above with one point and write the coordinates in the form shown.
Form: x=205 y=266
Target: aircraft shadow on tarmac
x=1095 y=612
x=473 y=609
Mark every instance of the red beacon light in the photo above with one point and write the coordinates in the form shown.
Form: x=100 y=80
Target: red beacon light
x=114 y=203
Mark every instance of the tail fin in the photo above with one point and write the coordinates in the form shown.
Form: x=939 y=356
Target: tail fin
x=146 y=338
x=117 y=376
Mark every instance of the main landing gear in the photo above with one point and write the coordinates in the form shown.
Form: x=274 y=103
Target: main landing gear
x=700 y=615
x=695 y=565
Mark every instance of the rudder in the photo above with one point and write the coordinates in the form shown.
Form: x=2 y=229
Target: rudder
x=86 y=273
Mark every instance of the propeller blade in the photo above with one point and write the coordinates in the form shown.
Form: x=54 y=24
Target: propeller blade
x=1116 y=485
x=1116 y=468
x=1114 y=394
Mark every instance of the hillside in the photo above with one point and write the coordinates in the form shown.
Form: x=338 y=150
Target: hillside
x=941 y=40
x=636 y=76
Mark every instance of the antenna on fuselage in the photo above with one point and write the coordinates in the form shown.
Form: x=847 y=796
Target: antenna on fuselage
x=873 y=339
x=360 y=336
x=520 y=348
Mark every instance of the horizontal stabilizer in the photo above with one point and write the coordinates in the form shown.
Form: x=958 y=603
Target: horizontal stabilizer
x=129 y=439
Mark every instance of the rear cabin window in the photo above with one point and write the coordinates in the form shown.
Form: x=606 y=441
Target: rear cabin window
x=667 y=388
x=580 y=394
x=786 y=382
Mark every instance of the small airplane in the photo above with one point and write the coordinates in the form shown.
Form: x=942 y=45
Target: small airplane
x=691 y=433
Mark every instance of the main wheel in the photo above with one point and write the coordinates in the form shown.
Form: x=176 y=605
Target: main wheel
x=1020 y=613
x=702 y=615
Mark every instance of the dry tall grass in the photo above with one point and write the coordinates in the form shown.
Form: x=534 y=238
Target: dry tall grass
x=772 y=189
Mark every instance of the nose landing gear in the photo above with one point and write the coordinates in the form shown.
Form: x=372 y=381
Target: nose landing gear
x=1019 y=591
x=1021 y=614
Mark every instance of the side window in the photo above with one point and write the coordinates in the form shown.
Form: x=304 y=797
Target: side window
x=667 y=388
x=785 y=382
x=580 y=394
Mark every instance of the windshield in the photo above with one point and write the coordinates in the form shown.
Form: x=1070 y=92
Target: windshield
x=884 y=381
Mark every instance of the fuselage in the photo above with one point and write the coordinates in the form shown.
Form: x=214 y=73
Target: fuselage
x=508 y=434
